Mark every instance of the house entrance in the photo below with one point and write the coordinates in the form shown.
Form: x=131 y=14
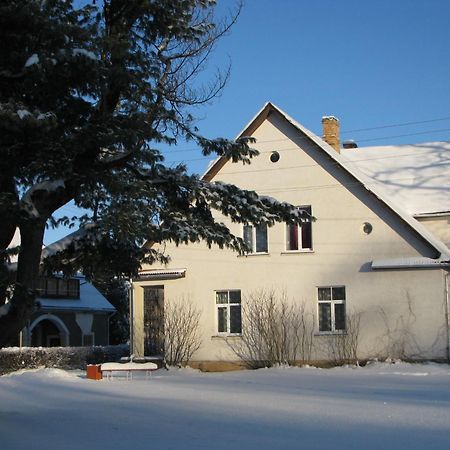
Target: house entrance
x=46 y=334
x=47 y=330
x=153 y=320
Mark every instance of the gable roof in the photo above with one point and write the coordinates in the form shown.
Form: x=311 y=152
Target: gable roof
x=363 y=180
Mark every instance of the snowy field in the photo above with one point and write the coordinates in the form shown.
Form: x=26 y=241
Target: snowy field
x=381 y=406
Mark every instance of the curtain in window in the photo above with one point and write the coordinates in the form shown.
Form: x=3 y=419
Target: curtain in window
x=292 y=237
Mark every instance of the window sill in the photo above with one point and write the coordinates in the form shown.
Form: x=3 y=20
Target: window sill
x=225 y=336
x=294 y=252
x=330 y=333
x=254 y=254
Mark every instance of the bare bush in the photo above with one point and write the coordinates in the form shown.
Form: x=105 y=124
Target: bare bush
x=275 y=331
x=182 y=331
x=398 y=340
x=342 y=348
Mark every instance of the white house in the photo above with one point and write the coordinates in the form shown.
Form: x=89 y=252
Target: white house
x=378 y=249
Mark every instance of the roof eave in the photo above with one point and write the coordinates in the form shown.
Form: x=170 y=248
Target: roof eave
x=410 y=263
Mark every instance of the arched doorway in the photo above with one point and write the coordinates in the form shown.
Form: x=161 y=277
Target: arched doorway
x=48 y=331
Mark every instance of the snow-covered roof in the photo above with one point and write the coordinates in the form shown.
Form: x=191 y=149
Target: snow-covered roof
x=416 y=176
x=351 y=168
x=415 y=262
x=65 y=242
x=90 y=300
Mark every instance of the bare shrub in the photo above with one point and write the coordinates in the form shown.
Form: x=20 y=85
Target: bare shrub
x=342 y=348
x=182 y=331
x=275 y=331
x=398 y=340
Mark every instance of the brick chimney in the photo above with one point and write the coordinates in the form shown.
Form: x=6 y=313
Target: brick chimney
x=330 y=125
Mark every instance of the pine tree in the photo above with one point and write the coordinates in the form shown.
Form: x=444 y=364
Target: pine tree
x=86 y=95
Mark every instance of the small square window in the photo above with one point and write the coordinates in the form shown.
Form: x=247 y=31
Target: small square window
x=235 y=296
x=221 y=297
x=339 y=293
x=324 y=294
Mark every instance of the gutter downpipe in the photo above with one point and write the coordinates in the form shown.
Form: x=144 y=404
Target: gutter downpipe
x=131 y=301
x=447 y=313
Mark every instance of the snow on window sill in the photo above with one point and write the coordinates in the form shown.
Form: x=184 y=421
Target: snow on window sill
x=254 y=254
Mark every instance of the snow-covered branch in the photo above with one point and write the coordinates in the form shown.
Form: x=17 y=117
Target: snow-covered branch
x=72 y=241
x=28 y=203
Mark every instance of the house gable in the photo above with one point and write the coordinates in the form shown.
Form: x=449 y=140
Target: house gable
x=288 y=136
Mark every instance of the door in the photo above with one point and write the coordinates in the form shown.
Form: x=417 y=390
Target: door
x=45 y=334
x=153 y=320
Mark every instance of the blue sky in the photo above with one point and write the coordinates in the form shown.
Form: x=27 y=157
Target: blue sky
x=369 y=63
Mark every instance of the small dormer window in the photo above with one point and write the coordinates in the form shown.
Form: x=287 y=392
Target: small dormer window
x=59 y=288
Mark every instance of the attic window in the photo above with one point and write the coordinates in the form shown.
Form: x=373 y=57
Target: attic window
x=274 y=157
x=59 y=288
x=367 y=227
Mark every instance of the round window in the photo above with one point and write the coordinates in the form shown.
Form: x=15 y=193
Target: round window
x=274 y=157
x=367 y=227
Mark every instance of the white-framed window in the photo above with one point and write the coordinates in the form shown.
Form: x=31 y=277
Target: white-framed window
x=228 y=312
x=256 y=238
x=298 y=237
x=331 y=309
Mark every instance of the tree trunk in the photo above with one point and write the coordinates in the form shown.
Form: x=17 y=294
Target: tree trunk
x=23 y=299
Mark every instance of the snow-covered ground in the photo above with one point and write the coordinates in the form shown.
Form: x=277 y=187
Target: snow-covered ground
x=381 y=406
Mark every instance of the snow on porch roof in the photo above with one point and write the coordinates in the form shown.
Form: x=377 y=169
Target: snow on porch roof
x=406 y=263
x=162 y=274
x=417 y=176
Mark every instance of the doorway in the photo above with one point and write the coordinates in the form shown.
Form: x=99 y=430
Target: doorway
x=46 y=334
x=153 y=320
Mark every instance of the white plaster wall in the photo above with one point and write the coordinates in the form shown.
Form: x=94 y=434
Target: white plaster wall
x=341 y=256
